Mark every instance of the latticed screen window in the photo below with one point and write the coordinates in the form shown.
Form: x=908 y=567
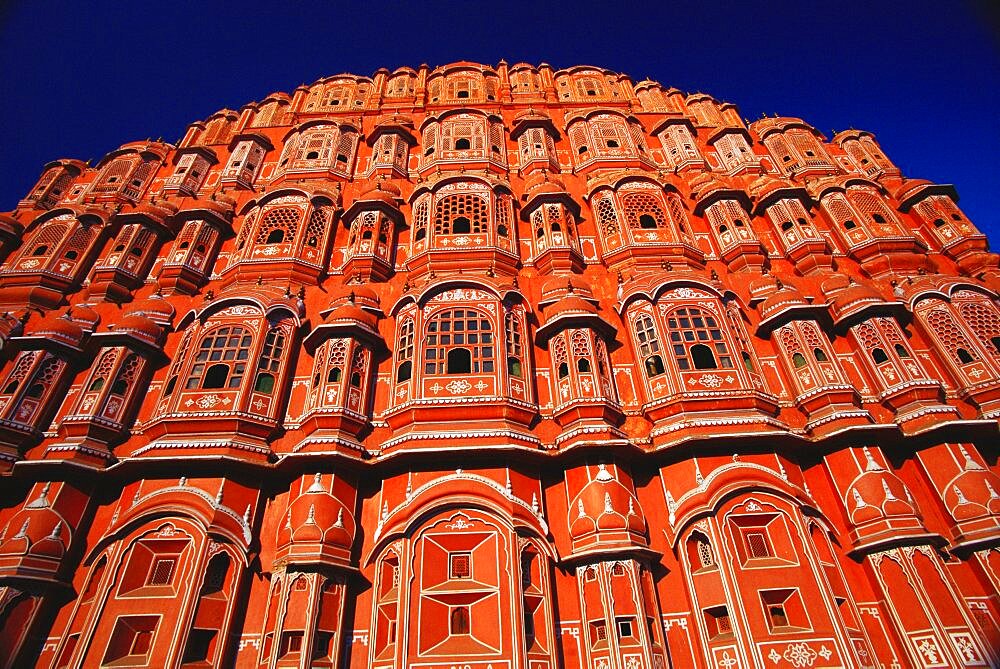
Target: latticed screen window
x=606 y=216
x=951 y=336
x=697 y=340
x=316 y=227
x=221 y=359
x=757 y=544
x=279 y=225
x=459 y=341
x=46 y=240
x=460 y=565
x=462 y=213
x=20 y=371
x=162 y=571
x=985 y=323
x=705 y=553
x=643 y=210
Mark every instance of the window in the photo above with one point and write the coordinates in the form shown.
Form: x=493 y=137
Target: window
x=462 y=213
x=270 y=360
x=649 y=346
x=626 y=627
x=460 y=565
x=515 y=345
x=459 y=341
x=783 y=610
x=199 y=645
x=404 y=352
x=215 y=575
x=462 y=144
x=951 y=336
x=131 y=639
x=697 y=340
x=227 y=348
x=705 y=557
x=278 y=225
x=776 y=615
x=459 y=620
x=718 y=623
x=757 y=544
x=162 y=571
x=598 y=632
x=291 y=642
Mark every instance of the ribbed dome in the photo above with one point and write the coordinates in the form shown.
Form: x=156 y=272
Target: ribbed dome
x=142 y=327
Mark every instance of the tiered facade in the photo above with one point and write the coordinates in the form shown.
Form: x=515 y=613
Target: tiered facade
x=497 y=368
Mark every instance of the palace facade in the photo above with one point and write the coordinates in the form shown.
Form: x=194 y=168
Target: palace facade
x=500 y=367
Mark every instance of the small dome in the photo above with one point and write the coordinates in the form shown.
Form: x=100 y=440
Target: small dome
x=350 y=311
x=142 y=327
x=707 y=184
x=556 y=287
x=606 y=506
x=85 y=316
x=320 y=517
x=784 y=297
x=383 y=191
x=530 y=114
x=62 y=329
x=542 y=184
x=156 y=308
x=571 y=304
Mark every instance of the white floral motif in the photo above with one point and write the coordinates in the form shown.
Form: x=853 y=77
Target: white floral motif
x=458 y=387
x=710 y=380
x=825 y=652
x=210 y=401
x=726 y=661
x=963 y=643
x=800 y=655
x=685 y=293
x=929 y=650
x=773 y=656
x=31 y=263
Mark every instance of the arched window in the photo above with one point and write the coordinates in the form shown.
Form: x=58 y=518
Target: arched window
x=649 y=346
x=278 y=225
x=404 y=351
x=951 y=336
x=459 y=341
x=462 y=144
x=696 y=339
x=461 y=213
x=215 y=575
x=221 y=358
x=270 y=360
x=515 y=345
x=582 y=351
x=700 y=551
x=126 y=375
x=879 y=356
x=644 y=211
x=702 y=357
x=983 y=319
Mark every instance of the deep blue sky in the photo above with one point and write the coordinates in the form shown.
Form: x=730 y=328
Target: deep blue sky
x=77 y=79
